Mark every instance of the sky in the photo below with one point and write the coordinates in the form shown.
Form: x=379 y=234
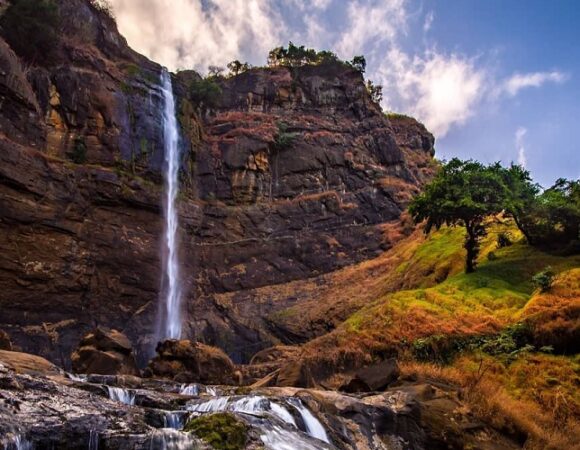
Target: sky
x=494 y=80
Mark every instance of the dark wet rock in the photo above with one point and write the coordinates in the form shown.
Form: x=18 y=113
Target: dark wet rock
x=105 y=352
x=191 y=362
x=376 y=377
x=5 y=342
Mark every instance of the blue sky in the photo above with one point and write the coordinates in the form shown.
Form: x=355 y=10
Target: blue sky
x=492 y=79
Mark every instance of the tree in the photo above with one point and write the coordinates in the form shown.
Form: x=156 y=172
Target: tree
x=215 y=71
x=205 y=93
x=561 y=207
x=521 y=199
x=375 y=91
x=359 y=63
x=463 y=193
x=31 y=28
x=236 y=67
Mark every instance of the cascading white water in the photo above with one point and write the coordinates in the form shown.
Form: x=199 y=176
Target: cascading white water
x=171 y=328
x=121 y=395
x=313 y=425
x=168 y=439
x=93 y=440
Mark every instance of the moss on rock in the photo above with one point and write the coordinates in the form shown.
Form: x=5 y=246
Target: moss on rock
x=221 y=430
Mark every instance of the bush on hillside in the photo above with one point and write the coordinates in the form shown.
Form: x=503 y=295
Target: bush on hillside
x=544 y=280
x=31 y=28
x=205 y=93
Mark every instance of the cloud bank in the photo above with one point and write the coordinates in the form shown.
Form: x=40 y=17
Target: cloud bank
x=442 y=89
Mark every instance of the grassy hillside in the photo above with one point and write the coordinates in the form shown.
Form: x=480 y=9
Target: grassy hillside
x=511 y=349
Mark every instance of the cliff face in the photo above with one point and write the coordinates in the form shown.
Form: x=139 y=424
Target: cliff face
x=294 y=174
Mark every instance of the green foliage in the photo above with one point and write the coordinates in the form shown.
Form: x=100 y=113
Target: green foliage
x=78 y=153
x=214 y=72
x=236 y=67
x=205 y=93
x=375 y=91
x=221 y=430
x=283 y=139
x=507 y=345
x=544 y=280
x=359 y=63
x=31 y=28
x=296 y=56
x=463 y=193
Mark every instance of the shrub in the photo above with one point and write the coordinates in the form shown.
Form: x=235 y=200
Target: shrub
x=78 y=153
x=283 y=139
x=30 y=28
x=504 y=239
x=544 y=280
x=205 y=93
x=375 y=91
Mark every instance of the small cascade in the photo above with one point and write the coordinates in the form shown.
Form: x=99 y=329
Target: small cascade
x=16 y=442
x=121 y=395
x=189 y=389
x=168 y=439
x=93 y=440
x=312 y=424
x=211 y=391
x=173 y=419
x=77 y=378
x=278 y=438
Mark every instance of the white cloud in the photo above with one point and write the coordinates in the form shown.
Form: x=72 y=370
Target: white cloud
x=429 y=18
x=373 y=23
x=519 y=81
x=195 y=34
x=519 y=141
x=441 y=90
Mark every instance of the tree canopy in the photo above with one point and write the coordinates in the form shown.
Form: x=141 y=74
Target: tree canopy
x=462 y=193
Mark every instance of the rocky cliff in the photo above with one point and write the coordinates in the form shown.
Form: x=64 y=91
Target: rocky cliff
x=294 y=173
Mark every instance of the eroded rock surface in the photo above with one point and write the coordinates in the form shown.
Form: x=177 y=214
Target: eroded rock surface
x=293 y=175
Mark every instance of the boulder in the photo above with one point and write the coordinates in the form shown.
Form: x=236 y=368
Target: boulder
x=5 y=343
x=373 y=378
x=191 y=362
x=27 y=363
x=105 y=352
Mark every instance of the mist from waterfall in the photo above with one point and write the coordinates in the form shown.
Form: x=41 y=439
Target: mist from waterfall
x=170 y=326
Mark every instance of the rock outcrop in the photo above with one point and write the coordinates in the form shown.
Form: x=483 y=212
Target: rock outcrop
x=191 y=362
x=292 y=175
x=105 y=352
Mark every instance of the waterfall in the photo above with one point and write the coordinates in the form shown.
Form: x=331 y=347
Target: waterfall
x=171 y=329
x=168 y=439
x=312 y=424
x=121 y=395
x=174 y=419
x=17 y=442
x=93 y=440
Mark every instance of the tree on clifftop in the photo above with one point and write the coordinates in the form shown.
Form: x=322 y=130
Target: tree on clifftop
x=30 y=27
x=463 y=193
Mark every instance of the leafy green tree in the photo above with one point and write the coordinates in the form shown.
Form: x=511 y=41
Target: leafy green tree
x=521 y=199
x=463 y=193
x=359 y=63
x=31 y=28
x=236 y=67
x=215 y=72
x=561 y=204
x=205 y=93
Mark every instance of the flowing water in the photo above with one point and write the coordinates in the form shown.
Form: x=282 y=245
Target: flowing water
x=93 y=440
x=168 y=439
x=171 y=326
x=121 y=395
x=256 y=405
x=16 y=442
